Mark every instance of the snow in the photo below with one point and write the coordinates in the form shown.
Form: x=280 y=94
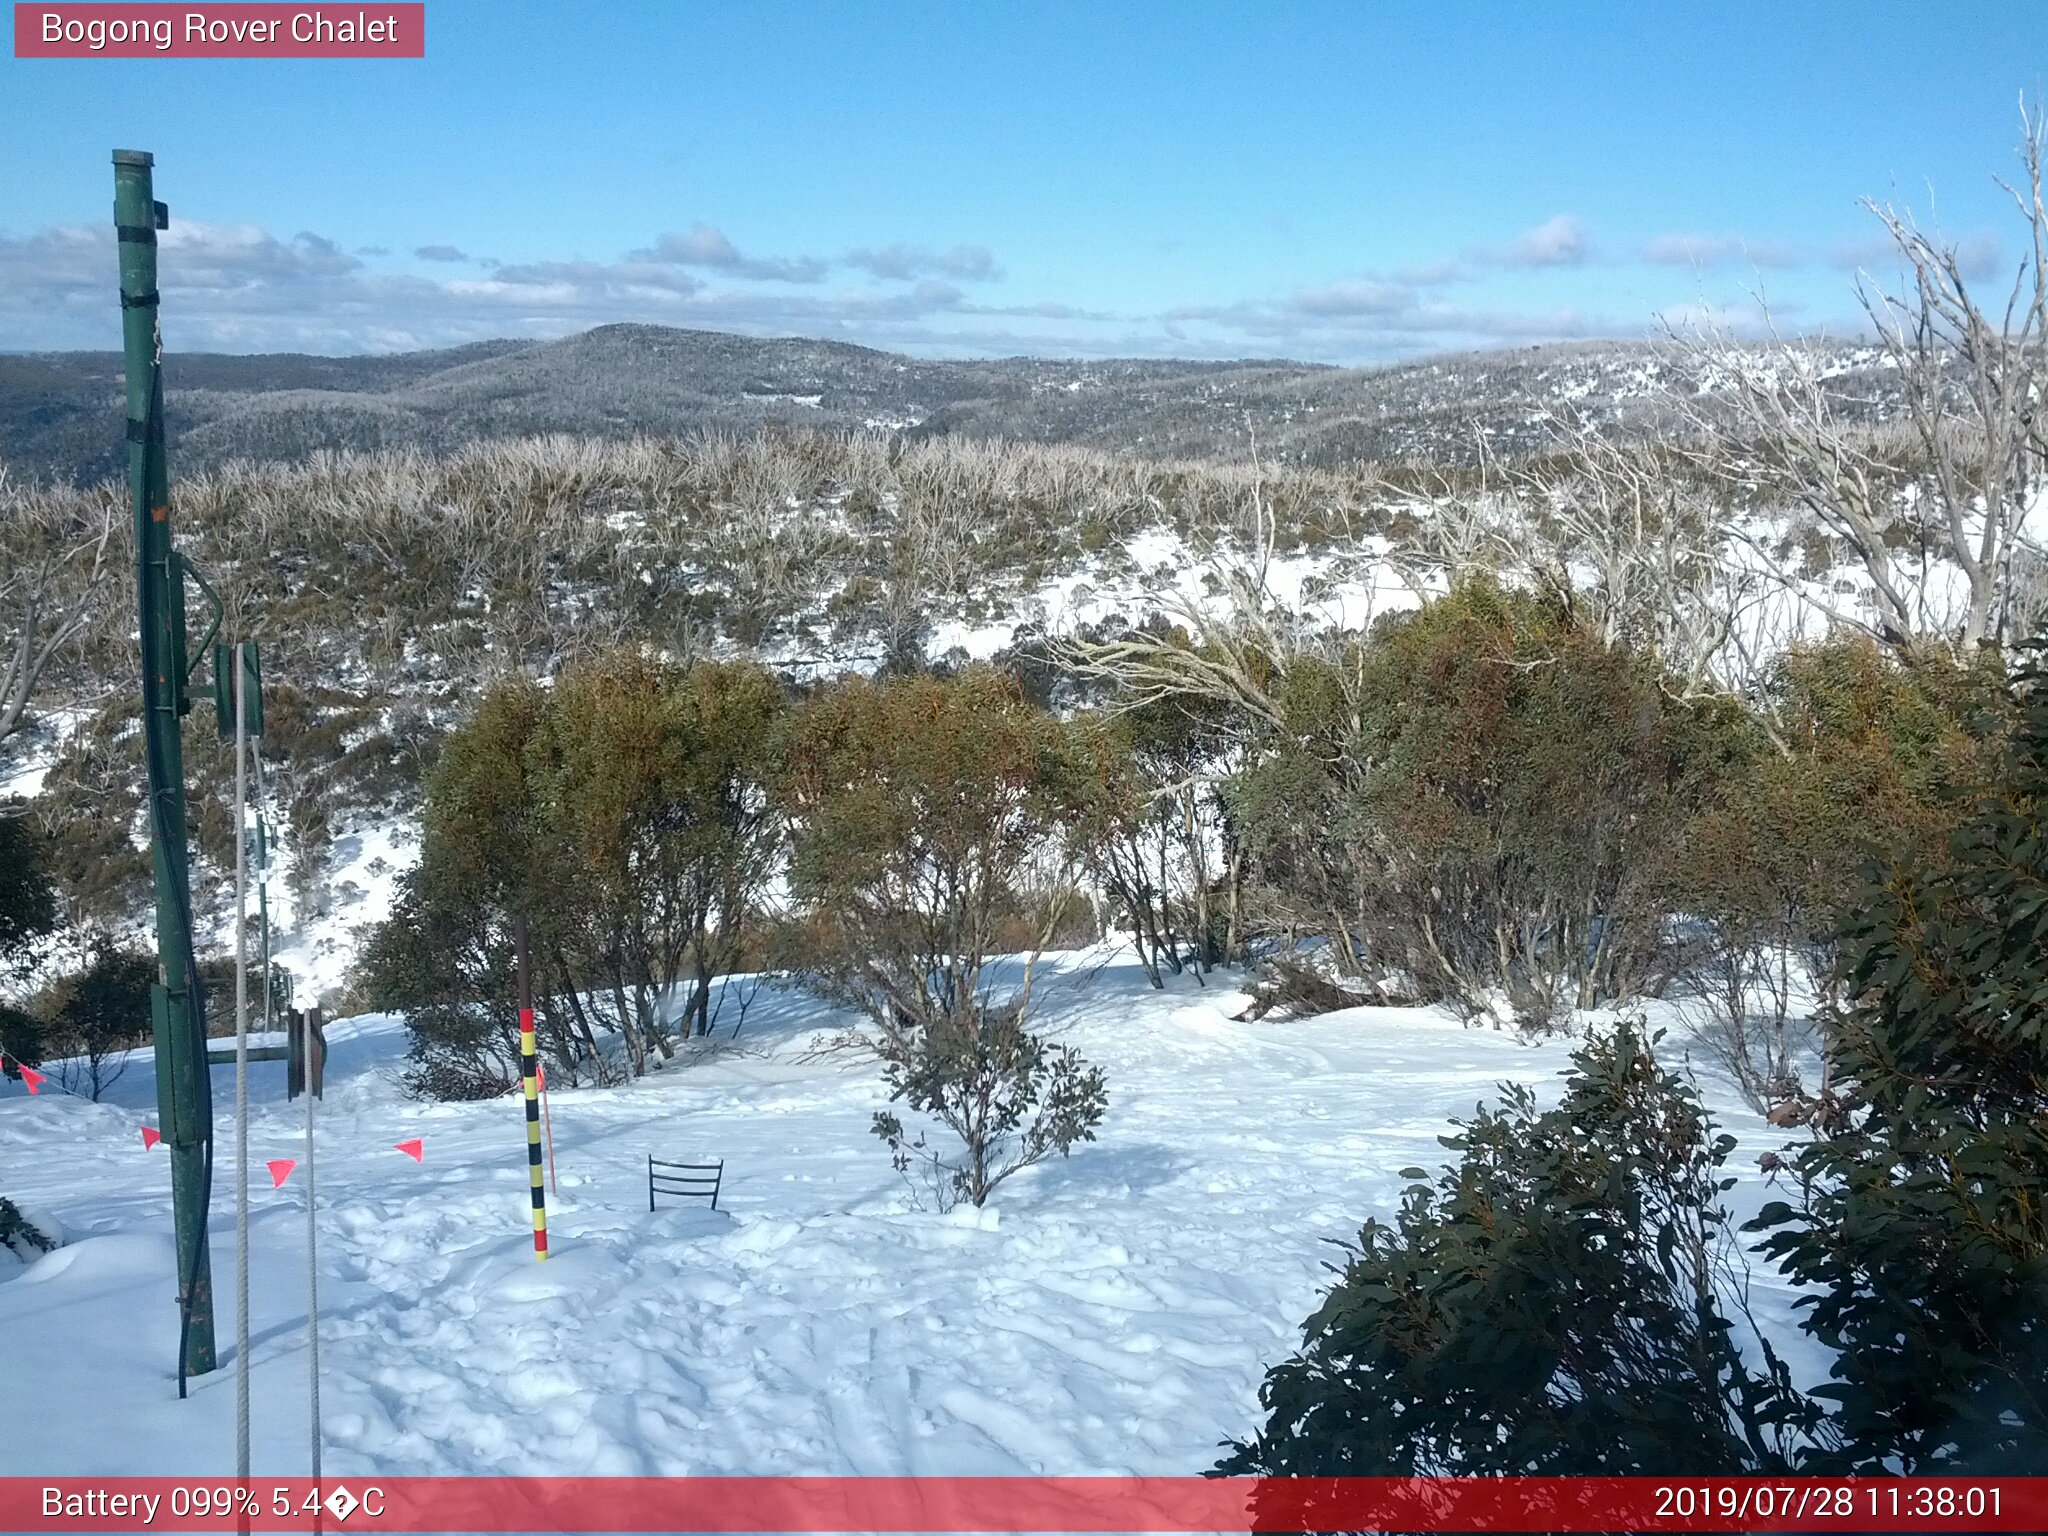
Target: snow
x=365 y=864
x=1110 y=1313
x=26 y=761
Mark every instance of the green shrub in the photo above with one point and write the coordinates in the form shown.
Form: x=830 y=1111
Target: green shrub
x=28 y=896
x=20 y=1236
x=623 y=816
x=1555 y=1304
x=1481 y=797
x=1851 y=756
x=1919 y=1228
x=1010 y=1097
x=929 y=841
x=97 y=1015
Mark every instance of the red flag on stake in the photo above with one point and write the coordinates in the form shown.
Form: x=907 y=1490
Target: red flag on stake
x=31 y=1079
x=416 y=1149
x=280 y=1170
x=150 y=1137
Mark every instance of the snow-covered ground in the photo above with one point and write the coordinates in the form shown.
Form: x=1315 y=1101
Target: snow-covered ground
x=1111 y=1313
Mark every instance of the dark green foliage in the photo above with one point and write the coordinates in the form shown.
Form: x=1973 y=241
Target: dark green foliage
x=28 y=898
x=1871 y=759
x=446 y=956
x=1853 y=755
x=1555 y=1304
x=1920 y=1220
x=624 y=816
x=21 y=1040
x=99 y=1014
x=19 y=1235
x=1480 y=800
x=1011 y=1098
x=443 y=961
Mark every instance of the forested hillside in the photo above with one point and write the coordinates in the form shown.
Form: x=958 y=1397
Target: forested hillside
x=59 y=413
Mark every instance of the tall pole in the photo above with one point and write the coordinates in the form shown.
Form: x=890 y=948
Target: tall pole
x=311 y=1024
x=239 y=696
x=184 y=1090
x=529 y=1071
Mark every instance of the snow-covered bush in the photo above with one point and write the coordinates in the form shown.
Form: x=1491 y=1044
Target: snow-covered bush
x=18 y=1235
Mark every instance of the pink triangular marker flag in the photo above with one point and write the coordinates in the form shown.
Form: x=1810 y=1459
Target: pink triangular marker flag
x=31 y=1079
x=150 y=1137
x=416 y=1149
x=540 y=1077
x=280 y=1170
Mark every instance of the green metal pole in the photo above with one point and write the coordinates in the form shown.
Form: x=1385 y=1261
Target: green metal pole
x=184 y=1089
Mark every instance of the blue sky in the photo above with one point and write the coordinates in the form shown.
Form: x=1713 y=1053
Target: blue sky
x=1343 y=182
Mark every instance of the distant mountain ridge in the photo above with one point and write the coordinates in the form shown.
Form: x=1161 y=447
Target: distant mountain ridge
x=60 y=413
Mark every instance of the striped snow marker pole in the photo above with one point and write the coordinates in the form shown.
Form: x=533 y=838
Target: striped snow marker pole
x=529 y=1060
x=529 y=1070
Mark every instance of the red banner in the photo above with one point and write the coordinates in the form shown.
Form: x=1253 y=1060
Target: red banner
x=1051 y=1504
x=244 y=31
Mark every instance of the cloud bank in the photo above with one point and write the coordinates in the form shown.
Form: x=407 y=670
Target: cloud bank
x=238 y=287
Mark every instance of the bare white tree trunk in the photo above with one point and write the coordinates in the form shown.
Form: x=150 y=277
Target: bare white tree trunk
x=53 y=558
x=1950 y=483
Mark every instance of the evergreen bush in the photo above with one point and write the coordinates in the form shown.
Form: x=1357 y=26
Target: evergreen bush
x=1919 y=1226
x=1558 y=1303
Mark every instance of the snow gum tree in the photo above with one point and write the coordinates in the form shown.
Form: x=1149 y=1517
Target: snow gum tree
x=930 y=846
x=623 y=815
x=1479 y=800
x=655 y=784
x=1153 y=833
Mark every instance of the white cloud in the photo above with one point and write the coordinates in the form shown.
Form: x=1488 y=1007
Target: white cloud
x=237 y=287
x=905 y=263
x=1979 y=257
x=1363 y=296
x=1692 y=250
x=708 y=247
x=1556 y=242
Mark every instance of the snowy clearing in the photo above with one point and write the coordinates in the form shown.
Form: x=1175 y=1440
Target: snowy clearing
x=1112 y=1313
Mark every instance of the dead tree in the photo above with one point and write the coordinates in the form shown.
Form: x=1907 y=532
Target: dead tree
x=1948 y=482
x=53 y=557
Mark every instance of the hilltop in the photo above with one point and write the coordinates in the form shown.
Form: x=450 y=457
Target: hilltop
x=60 y=412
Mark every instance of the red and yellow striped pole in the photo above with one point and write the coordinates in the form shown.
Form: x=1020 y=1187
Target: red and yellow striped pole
x=529 y=1071
x=529 y=1059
